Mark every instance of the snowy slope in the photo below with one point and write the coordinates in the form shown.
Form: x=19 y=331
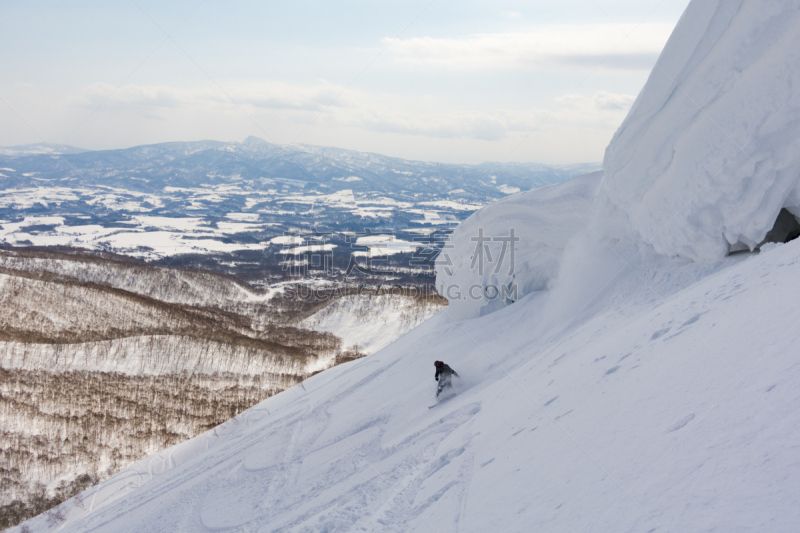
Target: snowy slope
x=643 y=381
x=370 y=323
x=709 y=152
x=668 y=404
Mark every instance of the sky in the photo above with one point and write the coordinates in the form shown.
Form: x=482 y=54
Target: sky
x=459 y=81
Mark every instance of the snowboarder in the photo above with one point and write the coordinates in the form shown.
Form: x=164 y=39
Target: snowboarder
x=444 y=375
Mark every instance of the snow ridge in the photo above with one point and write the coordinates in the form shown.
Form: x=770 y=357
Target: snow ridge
x=708 y=154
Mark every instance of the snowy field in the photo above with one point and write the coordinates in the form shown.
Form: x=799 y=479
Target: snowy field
x=152 y=236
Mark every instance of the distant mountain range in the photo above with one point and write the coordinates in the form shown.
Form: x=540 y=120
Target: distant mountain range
x=256 y=164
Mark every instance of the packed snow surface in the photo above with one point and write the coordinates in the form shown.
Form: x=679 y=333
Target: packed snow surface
x=710 y=150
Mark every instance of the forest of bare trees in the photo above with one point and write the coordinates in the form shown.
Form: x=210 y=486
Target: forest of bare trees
x=68 y=430
x=105 y=361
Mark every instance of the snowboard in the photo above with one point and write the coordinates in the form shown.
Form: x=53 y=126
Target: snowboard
x=441 y=400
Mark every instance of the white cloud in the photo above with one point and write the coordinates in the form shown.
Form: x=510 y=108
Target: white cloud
x=609 y=101
x=547 y=47
x=132 y=95
x=280 y=95
x=603 y=110
x=601 y=101
x=383 y=113
x=271 y=95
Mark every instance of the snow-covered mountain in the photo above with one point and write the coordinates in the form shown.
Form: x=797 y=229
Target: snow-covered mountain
x=260 y=164
x=641 y=377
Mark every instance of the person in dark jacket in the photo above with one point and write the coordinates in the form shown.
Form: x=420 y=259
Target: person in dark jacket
x=444 y=375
